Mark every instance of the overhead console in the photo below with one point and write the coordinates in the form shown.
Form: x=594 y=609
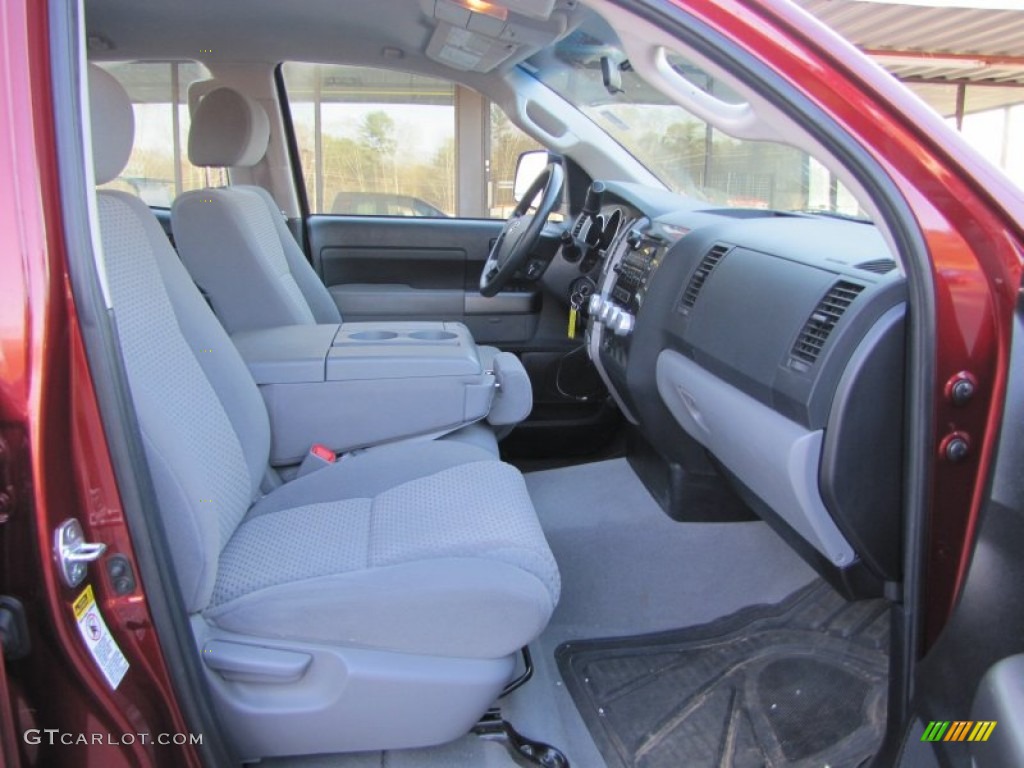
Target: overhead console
x=477 y=37
x=776 y=343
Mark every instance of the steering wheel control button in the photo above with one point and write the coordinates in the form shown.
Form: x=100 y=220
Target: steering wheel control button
x=956 y=447
x=960 y=388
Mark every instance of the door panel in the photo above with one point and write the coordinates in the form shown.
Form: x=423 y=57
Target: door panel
x=437 y=267
x=395 y=268
x=389 y=301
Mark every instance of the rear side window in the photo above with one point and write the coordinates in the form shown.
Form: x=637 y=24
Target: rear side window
x=158 y=169
x=378 y=142
x=374 y=141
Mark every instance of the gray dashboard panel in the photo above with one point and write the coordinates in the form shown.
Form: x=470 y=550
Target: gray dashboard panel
x=740 y=302
x=738 y=327
x=777 y=458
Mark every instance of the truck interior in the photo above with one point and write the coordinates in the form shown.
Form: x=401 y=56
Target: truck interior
x=607 y=469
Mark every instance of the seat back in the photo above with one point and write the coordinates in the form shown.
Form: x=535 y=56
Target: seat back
x=203 y=423
x=233 y=240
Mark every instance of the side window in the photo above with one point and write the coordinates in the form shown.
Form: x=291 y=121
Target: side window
x=158 y=169
x=373 y=141
x=376 y=142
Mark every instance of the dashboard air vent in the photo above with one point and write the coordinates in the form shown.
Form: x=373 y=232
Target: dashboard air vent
x=878 y=266
x=700 y=275
x=578 y=226
x=822 y=321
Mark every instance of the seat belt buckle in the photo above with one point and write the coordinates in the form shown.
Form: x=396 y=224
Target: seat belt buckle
x=319 y=456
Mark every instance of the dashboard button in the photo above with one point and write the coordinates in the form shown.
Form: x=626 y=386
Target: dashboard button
x=623 y=325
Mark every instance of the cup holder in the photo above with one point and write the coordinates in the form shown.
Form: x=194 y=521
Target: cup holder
x=373 y=335
x=432 y=335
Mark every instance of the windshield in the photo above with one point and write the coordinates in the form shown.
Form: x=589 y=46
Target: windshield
x=589 y=69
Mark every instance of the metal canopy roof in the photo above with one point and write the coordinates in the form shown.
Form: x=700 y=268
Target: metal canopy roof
x=921 y=44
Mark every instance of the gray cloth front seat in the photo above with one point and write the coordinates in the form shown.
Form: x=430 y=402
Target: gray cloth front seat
x=234 y=243
x=233 y=240
x=374 y=604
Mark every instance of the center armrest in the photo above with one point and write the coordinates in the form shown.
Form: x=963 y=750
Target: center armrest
x=360 y=384
x=389 y=350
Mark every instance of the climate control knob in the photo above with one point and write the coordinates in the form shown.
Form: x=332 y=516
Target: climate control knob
x=623 y=325
x=594 y=305
x=605 y=313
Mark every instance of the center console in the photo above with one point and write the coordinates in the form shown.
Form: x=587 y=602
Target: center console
x=633 y=258
x=356 y=385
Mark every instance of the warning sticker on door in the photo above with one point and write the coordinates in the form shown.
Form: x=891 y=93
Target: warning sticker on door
x=98 y=640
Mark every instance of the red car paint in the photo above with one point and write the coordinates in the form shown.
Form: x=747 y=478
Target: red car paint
x=968 y=214
x=57 y=451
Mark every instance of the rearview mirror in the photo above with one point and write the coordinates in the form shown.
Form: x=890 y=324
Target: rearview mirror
x=528 y=168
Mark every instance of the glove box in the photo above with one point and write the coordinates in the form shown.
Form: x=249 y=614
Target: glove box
x=360 y=384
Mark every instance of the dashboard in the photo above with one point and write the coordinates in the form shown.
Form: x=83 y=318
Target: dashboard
x=767 y=345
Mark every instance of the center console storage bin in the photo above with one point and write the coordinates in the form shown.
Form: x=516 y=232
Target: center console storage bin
x=360 y=384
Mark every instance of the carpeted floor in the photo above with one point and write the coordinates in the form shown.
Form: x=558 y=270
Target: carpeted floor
x=627 y=569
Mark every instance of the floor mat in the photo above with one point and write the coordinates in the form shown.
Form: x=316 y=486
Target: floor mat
x=801 y=683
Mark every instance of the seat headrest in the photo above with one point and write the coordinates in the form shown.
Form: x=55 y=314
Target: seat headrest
x=112 y=122
x=228 y=130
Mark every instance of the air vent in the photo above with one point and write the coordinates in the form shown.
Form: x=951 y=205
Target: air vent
x=819 y=325
x=578 y=226
x=878 y=266
x=700 y=275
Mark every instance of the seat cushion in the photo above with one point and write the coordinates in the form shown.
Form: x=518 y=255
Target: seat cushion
x=476 y=434
x=449 y=561
x=367 y=473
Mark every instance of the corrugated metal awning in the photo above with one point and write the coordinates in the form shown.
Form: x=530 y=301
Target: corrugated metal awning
x=925 y=44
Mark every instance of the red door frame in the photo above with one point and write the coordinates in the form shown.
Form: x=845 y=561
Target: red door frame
x=46 y=393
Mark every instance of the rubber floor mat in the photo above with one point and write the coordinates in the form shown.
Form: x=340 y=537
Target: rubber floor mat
x=797 y=684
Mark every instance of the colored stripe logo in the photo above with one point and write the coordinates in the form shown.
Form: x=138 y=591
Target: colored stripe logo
x=958 y=730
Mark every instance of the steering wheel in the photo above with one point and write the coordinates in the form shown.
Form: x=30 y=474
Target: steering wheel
x=522 y=230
